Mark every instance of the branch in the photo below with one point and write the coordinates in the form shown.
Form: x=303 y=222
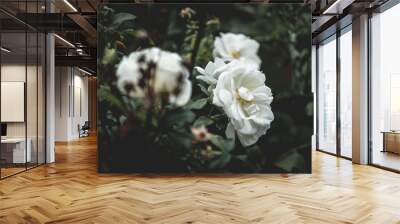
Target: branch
x=199 y=36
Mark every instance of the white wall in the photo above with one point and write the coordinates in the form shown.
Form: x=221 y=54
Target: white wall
x=61 y=103
x=80 y=105
x=16 y=73
x=71 y=102
x=10 y=73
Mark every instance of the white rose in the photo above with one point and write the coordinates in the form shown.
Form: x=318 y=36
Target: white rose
x=230 y=46
x=152 y=70
x=246 y=100
x=211 y=72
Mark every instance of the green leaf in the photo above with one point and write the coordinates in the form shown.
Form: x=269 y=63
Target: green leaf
x=197 y=105
x=290 y=161
x=242 y=158
x=203 y=121
x=221 y=122
x=110 y=55
x=204 y=89
x=121 y=18
x=106 y=95
x=182 y=138
x=129 y=33
x=221 y=161
x=178 y=118
x=222 y=143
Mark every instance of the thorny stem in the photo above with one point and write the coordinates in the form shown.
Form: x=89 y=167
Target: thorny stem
x=199 y=36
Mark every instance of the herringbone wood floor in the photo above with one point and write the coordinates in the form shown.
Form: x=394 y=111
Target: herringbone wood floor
x=71 y=191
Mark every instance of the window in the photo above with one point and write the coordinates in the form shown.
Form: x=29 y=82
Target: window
x=327 y=95
x=385 y=89
x=334 y=106
x=22 y=77
x=346 y=92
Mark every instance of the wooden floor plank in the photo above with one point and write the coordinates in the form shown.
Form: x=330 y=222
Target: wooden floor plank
x=71 y=191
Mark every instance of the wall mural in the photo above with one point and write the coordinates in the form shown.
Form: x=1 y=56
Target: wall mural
x=204 y=88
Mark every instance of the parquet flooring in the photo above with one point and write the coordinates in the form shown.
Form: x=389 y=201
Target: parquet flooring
x=8 y=171
x=71 y=191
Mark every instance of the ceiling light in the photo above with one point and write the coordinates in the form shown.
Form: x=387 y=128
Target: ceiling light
x=70 y=5
x=329 y=9
x=79 y=51
x=5 y=50
x=84 y=71
x=65 y=41
x=337 y=7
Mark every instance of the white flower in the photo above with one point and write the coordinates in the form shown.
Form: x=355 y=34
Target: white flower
x=187 y=13
x=211 y=72
x=246 y=100
x=200 y=134
x=153 y=71
x=230 y=46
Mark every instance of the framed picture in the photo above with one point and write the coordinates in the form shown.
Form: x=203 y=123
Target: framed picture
x=204 y=88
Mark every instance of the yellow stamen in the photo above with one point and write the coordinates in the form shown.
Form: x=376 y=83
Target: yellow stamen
x=235 y=54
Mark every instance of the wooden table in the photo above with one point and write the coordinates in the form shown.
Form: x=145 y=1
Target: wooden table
x=13 y=150
x=391 y=141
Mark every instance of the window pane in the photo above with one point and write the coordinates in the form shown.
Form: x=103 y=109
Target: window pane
x=346 y=94
x=327 y=96
x=14 y=153
x=385 y=84
x=31 y=99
